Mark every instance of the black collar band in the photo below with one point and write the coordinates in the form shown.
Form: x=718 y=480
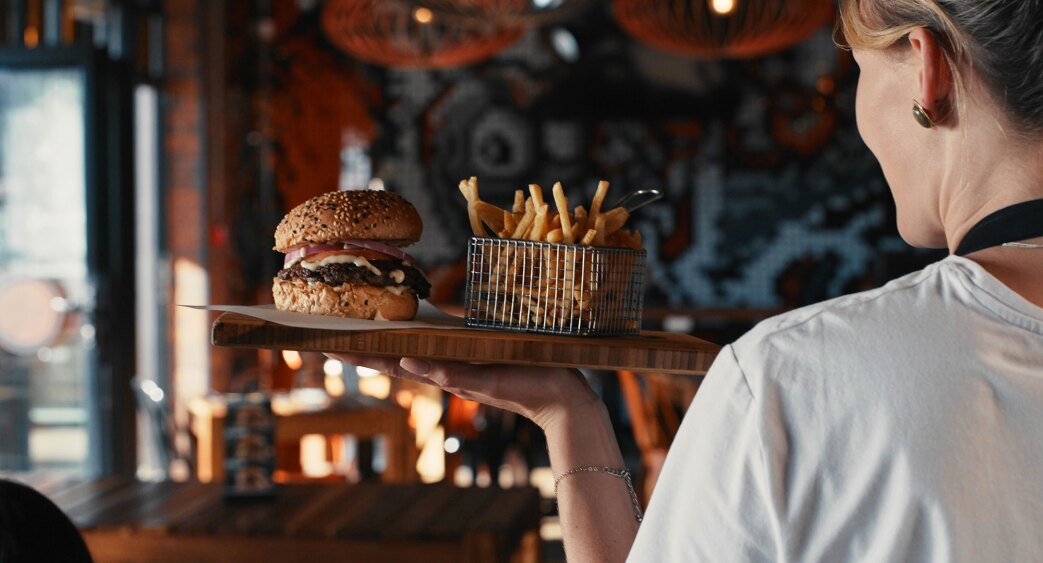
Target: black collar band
x=1011 y=224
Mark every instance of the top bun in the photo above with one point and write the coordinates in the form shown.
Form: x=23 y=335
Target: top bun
x=352 y=214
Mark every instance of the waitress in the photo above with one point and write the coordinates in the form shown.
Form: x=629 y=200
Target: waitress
x=899 y=424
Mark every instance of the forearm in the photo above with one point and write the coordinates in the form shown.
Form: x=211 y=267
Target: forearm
x=597 y=514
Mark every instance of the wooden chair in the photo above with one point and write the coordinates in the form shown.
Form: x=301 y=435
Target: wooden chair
x=365 y=421
x=656 y=402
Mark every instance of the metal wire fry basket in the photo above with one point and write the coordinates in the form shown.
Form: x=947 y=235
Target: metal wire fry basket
x=554 y=288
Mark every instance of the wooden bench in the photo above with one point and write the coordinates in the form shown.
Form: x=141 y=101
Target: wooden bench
x=127 y=520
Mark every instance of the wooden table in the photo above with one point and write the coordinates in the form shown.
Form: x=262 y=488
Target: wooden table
x=364 y=420
x=126 y=520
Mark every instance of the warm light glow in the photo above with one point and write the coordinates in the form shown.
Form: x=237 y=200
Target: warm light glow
x=334 y=385
x=463 y=476
x=313 y=456
x=423 y=15
x=543 y=479
x=505 y=477
x=292 y=359
x=723 y=7
x=377 y=386
x=191 y=331
x=404 y=398
x=333 y=368
x=31 y=37
x=452 y=445
x=430 y=465
x=424 y=415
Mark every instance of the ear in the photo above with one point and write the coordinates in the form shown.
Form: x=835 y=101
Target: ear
x=934 y=78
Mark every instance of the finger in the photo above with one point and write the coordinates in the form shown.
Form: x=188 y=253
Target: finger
x=444 y=374
x=387 y=366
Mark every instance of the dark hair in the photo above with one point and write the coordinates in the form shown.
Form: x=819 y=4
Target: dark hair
x=33 y=529
x=999 y=40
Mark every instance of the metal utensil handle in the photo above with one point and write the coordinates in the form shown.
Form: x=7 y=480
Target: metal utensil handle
x=639 y=198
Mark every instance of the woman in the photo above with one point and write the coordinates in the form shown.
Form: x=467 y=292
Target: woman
x=903 y=423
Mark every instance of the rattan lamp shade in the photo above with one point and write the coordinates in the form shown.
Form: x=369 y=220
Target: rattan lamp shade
x=506 y=12
x=390 y=33
x=695 y=28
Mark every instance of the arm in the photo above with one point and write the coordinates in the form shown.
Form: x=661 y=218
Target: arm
x=597 y=516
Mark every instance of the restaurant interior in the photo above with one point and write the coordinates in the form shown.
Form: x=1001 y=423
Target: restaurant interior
x=149 y=149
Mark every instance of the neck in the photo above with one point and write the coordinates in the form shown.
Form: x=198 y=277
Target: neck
x=992 y=172
x=987 y=178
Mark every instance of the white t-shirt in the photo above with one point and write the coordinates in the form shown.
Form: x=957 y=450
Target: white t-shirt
x=899 y=424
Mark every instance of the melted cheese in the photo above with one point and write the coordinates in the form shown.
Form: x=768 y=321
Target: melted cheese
x=397 y=289
x=342 y=259
x=397 y=276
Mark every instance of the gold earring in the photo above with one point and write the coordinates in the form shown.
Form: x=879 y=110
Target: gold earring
x=921 y=116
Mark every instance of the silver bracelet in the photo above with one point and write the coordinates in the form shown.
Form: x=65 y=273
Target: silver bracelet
x=621 y=473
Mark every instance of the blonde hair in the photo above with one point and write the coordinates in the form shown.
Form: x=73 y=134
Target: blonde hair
x=997 y=40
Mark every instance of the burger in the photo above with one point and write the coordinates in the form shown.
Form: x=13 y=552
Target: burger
x=344 y=258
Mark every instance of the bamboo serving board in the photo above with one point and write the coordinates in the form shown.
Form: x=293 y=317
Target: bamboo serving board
x=662 y=352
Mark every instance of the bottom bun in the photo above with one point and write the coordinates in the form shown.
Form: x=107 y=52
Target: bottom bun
x=353 y=301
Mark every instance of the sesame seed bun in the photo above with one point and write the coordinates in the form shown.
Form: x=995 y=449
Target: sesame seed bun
x=348 y=300
x=353 y=214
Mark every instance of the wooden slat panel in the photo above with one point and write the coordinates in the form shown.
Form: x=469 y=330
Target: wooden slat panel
x=651 y=351
x=189 y=501
x=44 y=482
x=393 y=500
x=462 y=513
x=499 y=529
x=428 y=507
x=307 y=521
x=74 y=499
x=111 y=546
x=369 y=495
x=130 y=513
x=125 y=520
x=514 y=509
x=197 y=512
x=267 y=518
x=113 y=507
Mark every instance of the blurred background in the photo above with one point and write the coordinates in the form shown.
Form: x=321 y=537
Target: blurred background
x=148 y=148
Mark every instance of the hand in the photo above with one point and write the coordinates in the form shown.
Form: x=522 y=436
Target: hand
x=543 y=395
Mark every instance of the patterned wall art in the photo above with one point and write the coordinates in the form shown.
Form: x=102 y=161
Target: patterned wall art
x=773 y=201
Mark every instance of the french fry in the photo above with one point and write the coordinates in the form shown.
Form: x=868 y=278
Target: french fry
x=562 y=203
x=476 y=222
x=555 y=236
x=509 y=223
x=537 y=195
x=638 y=243
x=588 y=239
x=465 y=189
x=599 y=228
x=555 y=220
x=472 y=186
x=595 y=204
x=490 y=215
x=580 y=215
x=539 y=225
x=614 y=220
x=524 y=224
x=519 y=201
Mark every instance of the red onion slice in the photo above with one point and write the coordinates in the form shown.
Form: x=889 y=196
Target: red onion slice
x=297 y=254
x=381 y=248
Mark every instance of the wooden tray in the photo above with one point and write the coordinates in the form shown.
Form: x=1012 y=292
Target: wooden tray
x=663 y=352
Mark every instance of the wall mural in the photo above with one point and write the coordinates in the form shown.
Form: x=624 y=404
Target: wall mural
x=772 y=199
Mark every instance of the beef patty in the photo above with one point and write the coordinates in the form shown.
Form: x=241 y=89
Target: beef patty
x=339 y=274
